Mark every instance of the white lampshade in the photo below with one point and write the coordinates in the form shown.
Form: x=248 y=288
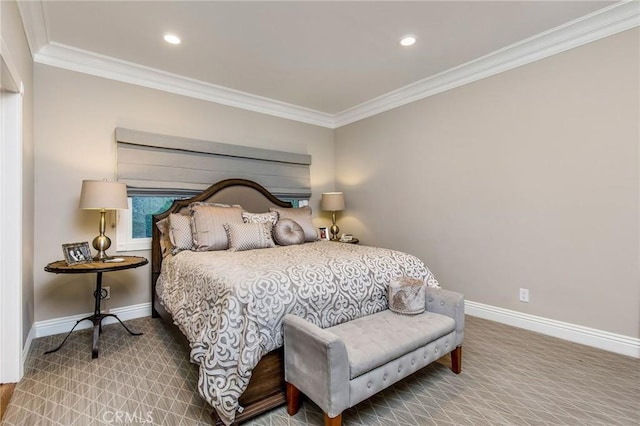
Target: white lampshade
x=332 y=201
x=103 y=195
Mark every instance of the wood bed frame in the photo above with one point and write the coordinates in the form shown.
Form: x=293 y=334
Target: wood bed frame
x=266 y=389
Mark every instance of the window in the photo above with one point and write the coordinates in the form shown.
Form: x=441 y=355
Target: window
x=142 y=210
x=135 y=225
x=296 y=202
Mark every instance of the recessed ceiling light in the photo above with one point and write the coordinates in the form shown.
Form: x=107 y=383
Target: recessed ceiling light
x=407 y=40
x=172 y=39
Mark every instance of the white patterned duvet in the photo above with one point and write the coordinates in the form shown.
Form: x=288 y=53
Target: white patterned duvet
x=230 y=305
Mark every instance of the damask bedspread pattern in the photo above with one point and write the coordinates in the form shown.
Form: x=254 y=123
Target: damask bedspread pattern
x=230 y=305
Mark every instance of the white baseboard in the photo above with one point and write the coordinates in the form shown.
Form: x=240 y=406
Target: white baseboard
x=611 y=342
x=27 y=346
x=63 y=325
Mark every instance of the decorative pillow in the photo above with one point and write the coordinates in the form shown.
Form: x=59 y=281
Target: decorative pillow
x=287 y=232
x=406 y=296
x=271 y=217
x=207 y=225
x=248 y=236
x=165 y=236
x=302 y=216
x=180 y=232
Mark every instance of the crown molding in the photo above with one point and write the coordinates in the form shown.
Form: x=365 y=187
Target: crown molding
x=611 y=20
x=61 y=56
x=595 y=26
x=35 y=24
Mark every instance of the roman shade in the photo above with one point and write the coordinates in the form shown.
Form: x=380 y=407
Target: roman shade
x=152 y=163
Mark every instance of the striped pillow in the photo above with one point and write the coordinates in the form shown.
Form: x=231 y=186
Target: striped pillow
x=248 y=236
x=207 y=225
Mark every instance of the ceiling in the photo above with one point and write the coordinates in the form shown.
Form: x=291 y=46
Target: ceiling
x=328 y=57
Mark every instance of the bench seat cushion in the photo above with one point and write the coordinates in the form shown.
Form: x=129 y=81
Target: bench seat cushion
x=375 y=340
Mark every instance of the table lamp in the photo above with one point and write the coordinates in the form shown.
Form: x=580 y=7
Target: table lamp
x=333 y=202
x=103 y=195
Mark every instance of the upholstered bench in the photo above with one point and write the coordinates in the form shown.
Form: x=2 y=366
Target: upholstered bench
x=340 y=366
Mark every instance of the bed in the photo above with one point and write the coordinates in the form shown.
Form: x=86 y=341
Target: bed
x=229 y=305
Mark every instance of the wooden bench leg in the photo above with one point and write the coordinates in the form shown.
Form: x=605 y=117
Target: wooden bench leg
x=293 y=399
x=332 y=421
x=456 y=360
x=293 y=405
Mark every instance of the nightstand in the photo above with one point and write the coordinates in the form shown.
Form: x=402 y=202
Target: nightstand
x=97 y=267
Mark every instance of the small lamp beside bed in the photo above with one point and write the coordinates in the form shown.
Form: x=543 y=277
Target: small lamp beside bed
x=103 y=195
x=333 y=202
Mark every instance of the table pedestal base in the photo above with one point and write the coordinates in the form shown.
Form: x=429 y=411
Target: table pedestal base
x=96 y=319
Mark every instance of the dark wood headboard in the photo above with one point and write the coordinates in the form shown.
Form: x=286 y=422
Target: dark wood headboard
x=250 y=195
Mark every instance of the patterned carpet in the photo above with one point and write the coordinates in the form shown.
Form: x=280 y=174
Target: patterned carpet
x=509 y=377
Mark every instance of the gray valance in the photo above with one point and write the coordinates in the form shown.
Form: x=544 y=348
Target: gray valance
x=153 y=162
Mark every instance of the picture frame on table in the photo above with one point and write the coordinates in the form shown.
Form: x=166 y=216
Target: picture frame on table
x=77 y=253
x=324 y=233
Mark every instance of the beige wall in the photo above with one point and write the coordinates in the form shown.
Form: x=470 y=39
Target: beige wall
x=16 y=42
x=528 y=179
x=76 y=115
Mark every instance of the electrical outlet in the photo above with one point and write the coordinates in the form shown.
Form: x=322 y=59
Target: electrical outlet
x=106 y=293
x=524 y=295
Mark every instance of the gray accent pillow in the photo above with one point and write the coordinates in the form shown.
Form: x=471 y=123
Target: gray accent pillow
x=302 y=216
x=407 y=296
x=207 y=225
x=287 y=232
x=248 y=236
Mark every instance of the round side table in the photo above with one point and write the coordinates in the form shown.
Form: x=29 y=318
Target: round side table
x=97 y=267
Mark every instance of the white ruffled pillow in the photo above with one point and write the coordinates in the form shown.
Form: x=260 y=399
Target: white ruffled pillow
x=271 y=217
